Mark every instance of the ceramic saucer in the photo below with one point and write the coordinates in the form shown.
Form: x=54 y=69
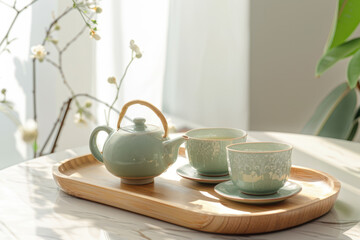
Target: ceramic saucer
x=229 y=191
x=189 y=172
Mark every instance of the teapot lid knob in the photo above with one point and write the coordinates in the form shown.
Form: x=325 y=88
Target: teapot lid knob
x=139 y=123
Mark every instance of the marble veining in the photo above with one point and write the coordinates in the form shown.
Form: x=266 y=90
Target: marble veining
x=32 y=206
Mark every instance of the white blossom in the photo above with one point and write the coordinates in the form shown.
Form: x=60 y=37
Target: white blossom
x=135 y=48
x=78 y=119
x=38 y=52
x=29 y=131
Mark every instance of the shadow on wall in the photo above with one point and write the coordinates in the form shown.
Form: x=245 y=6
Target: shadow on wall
x=12 y=150
x=29 y=30
x=9 y=153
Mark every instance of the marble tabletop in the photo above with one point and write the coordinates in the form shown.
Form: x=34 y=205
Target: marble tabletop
x=33 y=207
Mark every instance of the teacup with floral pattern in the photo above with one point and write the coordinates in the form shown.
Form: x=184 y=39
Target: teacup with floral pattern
x=259 y=168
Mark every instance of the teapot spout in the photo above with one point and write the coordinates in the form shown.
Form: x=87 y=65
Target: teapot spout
x=171 y=148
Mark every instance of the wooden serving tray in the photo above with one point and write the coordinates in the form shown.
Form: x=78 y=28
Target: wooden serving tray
x=194 y=205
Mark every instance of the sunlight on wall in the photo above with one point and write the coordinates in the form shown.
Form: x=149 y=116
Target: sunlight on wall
x=146 y=23
x=12 y=78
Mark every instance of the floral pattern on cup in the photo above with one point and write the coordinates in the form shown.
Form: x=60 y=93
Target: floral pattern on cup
x=206 y=148
x=259 y=171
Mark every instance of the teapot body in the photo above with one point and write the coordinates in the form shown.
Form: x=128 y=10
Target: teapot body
x=135 y=156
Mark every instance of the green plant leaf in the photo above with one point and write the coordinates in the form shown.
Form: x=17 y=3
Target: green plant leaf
x=347 y=19
x=353 y=70
x=357 y=114
x=334 y=115
x=355 y=126
x=353 y=130
x=332 y=56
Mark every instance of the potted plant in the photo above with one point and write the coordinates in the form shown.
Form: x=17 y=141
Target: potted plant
x=338 y=114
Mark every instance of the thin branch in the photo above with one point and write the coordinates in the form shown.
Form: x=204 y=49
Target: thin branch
x=59 y=64
x=6 y=4
x=34 y=60
x=73 y=40
x=67 y=10
x=34 y=97
x=52 y=62
x=68 y=103
x=59 y=119
x=61 y=125
x=81 y=13
x=102 y=102
x=118 y=88
x=95 y=99
x=34 y=89
x=62 y=74
x=26 y=6
x=62 y=117
x=8 y=31
x=52 y=130
x=18 y=12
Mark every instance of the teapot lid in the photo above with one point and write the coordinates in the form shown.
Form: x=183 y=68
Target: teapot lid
x=140 y=126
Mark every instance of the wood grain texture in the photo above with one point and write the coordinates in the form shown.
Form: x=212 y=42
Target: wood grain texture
x=194 y=205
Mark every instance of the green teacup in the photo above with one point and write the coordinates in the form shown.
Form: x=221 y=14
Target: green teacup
x=259 y=168
x=206 y=148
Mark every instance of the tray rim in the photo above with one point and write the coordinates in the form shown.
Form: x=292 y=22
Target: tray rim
x=331 y=196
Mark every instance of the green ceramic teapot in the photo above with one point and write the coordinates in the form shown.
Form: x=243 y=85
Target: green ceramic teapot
x=139 y=152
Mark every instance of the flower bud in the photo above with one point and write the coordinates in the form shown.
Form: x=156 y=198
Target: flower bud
x=112 y=80
x=98 y=10
x=29 y=131
x=88 y=104
x=136 y=49
x=3 y=91
x=96 y=36
x=57 y=27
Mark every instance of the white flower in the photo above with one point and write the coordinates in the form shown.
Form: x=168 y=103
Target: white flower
x=29 y=131
x=112 y=80
x=38 y=52
x=78 y=119
x=135 y=48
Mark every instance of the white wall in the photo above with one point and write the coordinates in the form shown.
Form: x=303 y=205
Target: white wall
x=206 y=79
x=287 y=39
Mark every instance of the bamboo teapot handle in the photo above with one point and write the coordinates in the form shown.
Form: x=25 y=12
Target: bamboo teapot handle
x=149 y=105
